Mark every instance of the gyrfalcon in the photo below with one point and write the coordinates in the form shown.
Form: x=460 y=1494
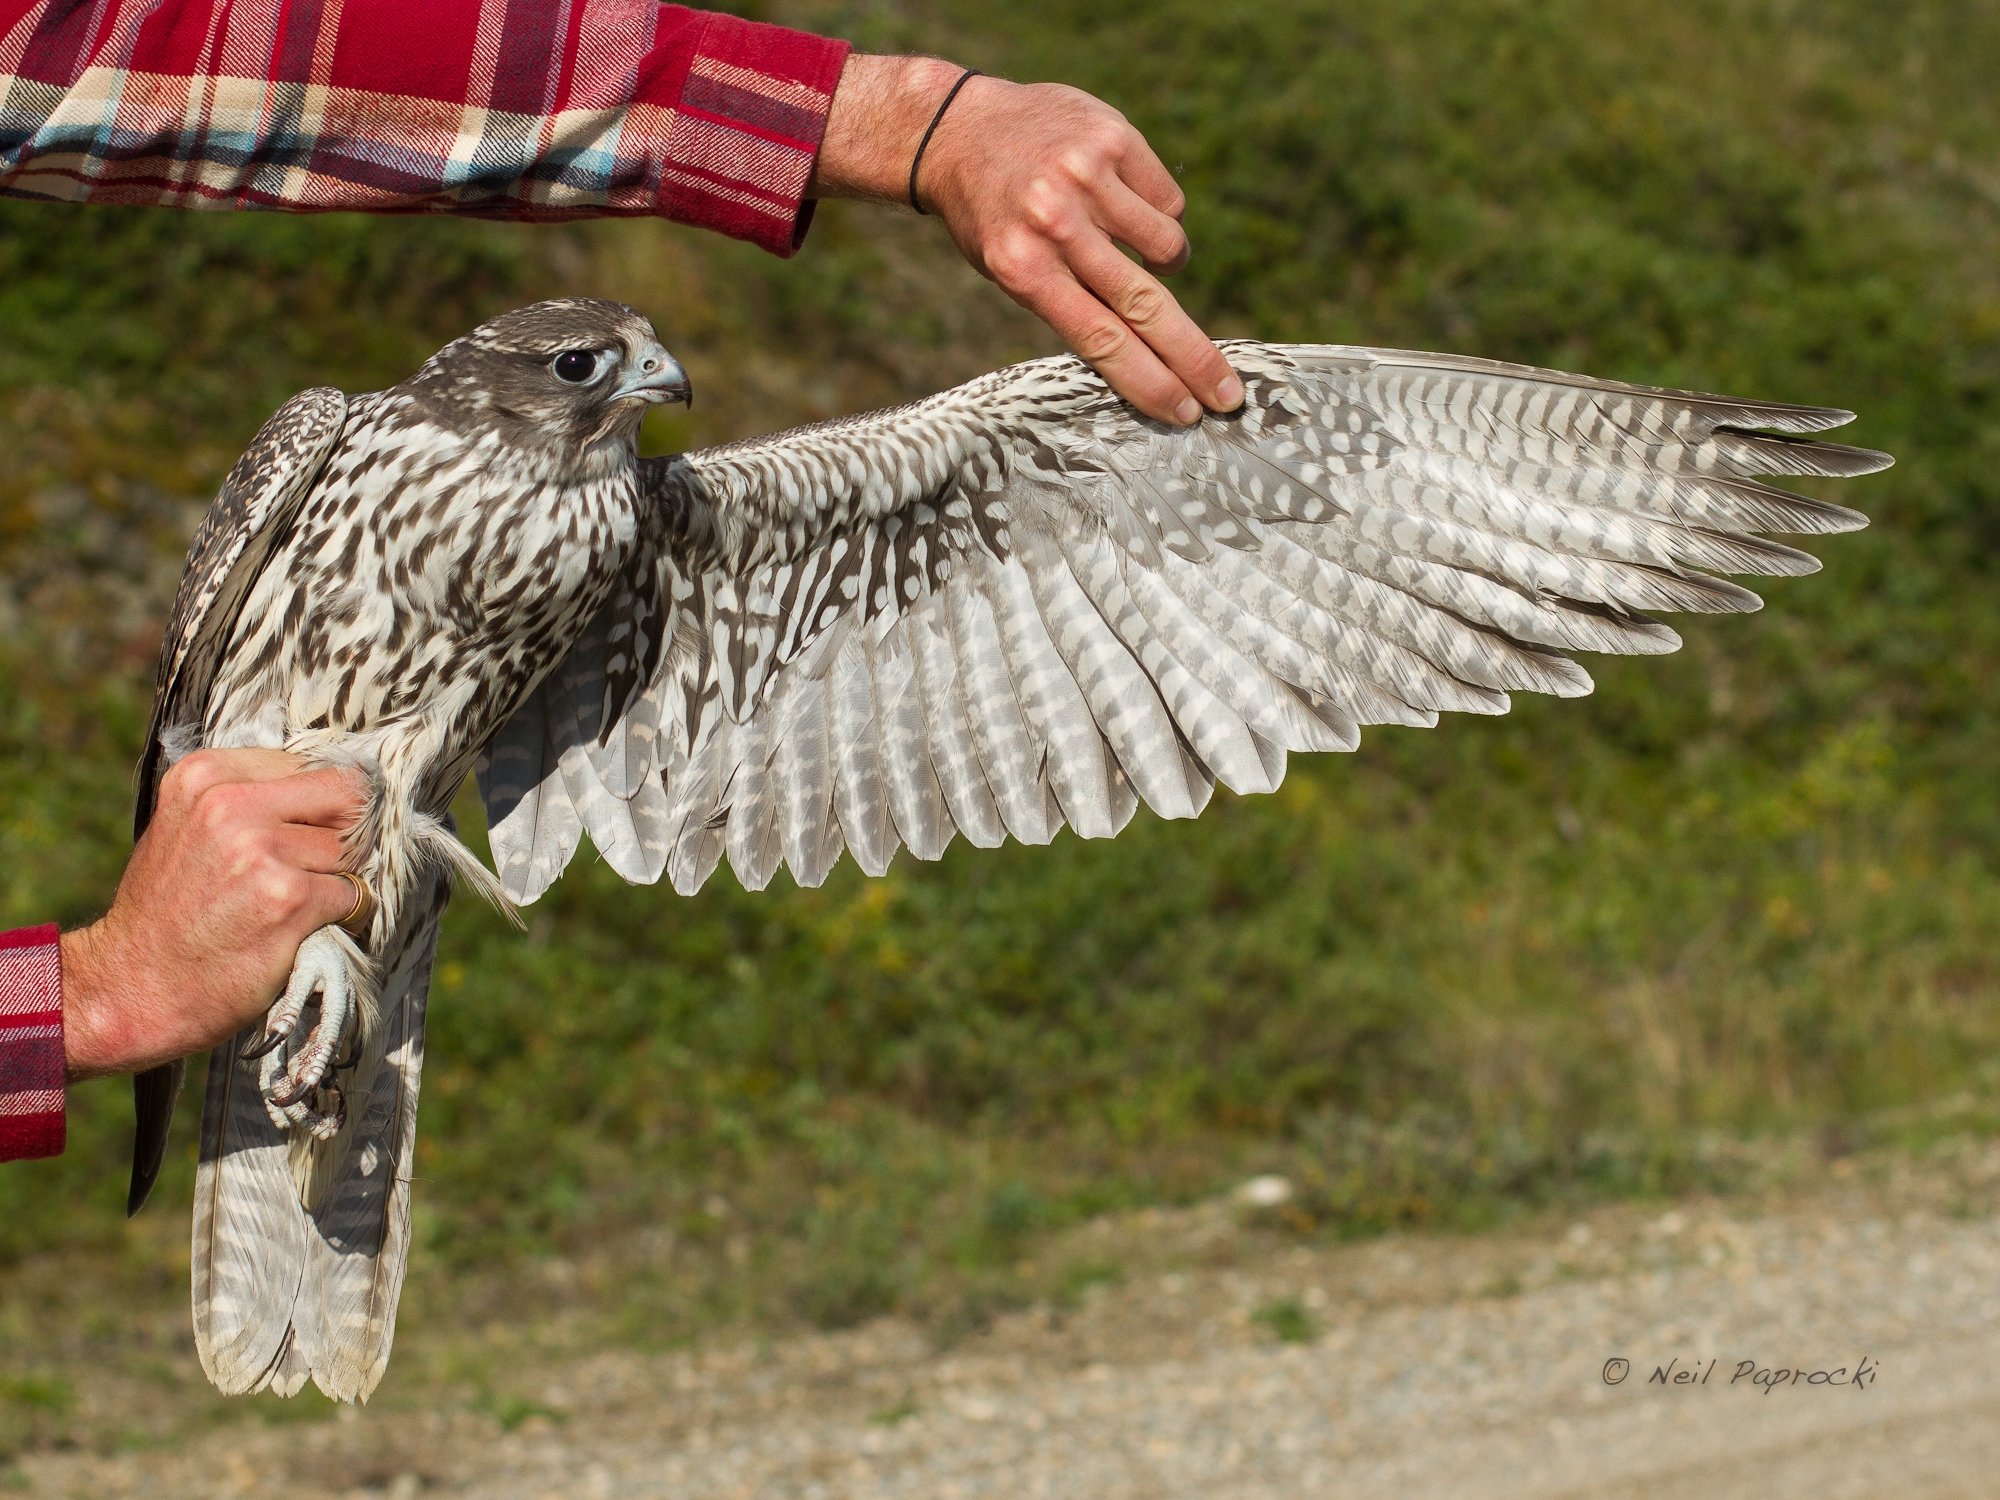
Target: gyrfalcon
x=1012 y=606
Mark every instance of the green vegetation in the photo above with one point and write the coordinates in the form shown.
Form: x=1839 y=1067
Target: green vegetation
x=1743 y=898
x=1286 y=1320
x=903 y=1409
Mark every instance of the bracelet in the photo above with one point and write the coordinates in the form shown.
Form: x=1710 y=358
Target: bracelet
x=918 y=160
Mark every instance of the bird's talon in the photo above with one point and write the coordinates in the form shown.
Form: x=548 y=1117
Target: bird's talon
x=273 y=1039
x=287 y=1093
x=329 y=1114
x=293 y=1081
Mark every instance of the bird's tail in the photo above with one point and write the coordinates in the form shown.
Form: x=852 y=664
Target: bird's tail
x=300 y=1244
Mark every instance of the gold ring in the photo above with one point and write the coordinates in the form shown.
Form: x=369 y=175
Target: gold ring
x=363 y=911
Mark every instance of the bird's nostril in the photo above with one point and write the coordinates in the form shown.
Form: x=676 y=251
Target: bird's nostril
x=651 y=365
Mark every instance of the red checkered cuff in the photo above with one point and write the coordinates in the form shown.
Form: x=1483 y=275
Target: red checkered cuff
x=736 y=127
x=31 y=1044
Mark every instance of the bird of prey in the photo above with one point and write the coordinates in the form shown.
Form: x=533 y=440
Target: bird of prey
x=1012 y=606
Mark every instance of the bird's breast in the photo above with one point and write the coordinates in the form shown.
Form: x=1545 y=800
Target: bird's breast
x=429 y=577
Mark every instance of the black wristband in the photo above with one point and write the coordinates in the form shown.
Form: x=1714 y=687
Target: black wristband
x=918 y=160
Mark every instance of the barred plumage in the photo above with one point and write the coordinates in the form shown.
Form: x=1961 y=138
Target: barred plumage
x=1012 y=606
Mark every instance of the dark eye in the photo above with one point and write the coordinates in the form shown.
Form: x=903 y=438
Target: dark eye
x=575 y=366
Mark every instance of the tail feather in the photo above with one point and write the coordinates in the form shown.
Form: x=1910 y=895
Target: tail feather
x=354 y=1261
x=283 y=1293
x=248 y=1230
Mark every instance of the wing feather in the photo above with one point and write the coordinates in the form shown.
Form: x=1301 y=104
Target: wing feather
x=532 y=822
x=1054 y=707
x=755 y=851
x=910 y=781
x=1220 y=740
x=859 y=797
x=1013 y=758
x=232 y=544
x=804 y=771
x=1117 y=694
x=949 y=730
x=696 y=820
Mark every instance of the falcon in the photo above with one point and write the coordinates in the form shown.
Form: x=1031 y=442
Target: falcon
x=1009 y=607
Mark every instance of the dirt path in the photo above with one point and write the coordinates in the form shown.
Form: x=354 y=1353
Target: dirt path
x=1428 y=1366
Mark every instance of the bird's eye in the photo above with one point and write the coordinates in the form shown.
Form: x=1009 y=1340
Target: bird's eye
x=575 y=366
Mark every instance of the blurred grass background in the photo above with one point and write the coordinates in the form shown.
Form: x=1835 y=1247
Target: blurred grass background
x=1736 y=908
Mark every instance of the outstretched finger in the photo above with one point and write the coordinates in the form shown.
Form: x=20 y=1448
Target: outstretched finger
x=1150 y=311
x=1109 y=345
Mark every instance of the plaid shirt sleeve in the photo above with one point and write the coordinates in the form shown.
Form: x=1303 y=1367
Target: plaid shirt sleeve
x=515 y=109
x=31 y=1044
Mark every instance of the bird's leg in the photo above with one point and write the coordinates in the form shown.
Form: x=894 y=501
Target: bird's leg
x=297 y=1079
x=332 y=977
x=334 y=971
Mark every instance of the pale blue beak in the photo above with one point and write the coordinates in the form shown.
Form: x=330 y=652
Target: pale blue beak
x=655 y=376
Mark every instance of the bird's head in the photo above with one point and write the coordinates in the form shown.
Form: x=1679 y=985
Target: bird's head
x=566 y=381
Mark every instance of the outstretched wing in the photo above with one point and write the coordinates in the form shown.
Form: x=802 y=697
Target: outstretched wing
x=1019 y=604
x=230 y=548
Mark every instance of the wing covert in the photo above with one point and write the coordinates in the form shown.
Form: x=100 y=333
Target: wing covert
x=230 y=547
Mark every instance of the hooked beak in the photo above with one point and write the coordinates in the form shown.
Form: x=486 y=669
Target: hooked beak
x=654 y=377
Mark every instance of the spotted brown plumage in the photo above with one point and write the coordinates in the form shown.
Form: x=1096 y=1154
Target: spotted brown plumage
x=1012 y=606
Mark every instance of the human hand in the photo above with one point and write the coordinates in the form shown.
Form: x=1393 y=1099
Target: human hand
x=234 y=872
x=1039 y=184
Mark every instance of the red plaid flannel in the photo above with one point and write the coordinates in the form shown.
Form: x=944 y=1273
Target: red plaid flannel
x=513 y=109
x=31 y=1044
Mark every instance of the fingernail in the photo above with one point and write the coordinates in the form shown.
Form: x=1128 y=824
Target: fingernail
x=1229 y=395
x=1188 y=412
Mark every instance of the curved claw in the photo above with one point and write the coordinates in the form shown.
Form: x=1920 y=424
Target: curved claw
x=330 y=1113
x=273 y=1039
x=348 y=1058
x=294 y=1081
x=287 y=1091
x=284 y=1016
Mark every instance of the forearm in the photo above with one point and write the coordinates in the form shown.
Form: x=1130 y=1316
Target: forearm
x=611 y=108
x=65 y=1016
x=879 y=115
x=99 y=1035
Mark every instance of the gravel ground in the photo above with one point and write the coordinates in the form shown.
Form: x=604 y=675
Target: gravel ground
x=1432 y=1366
